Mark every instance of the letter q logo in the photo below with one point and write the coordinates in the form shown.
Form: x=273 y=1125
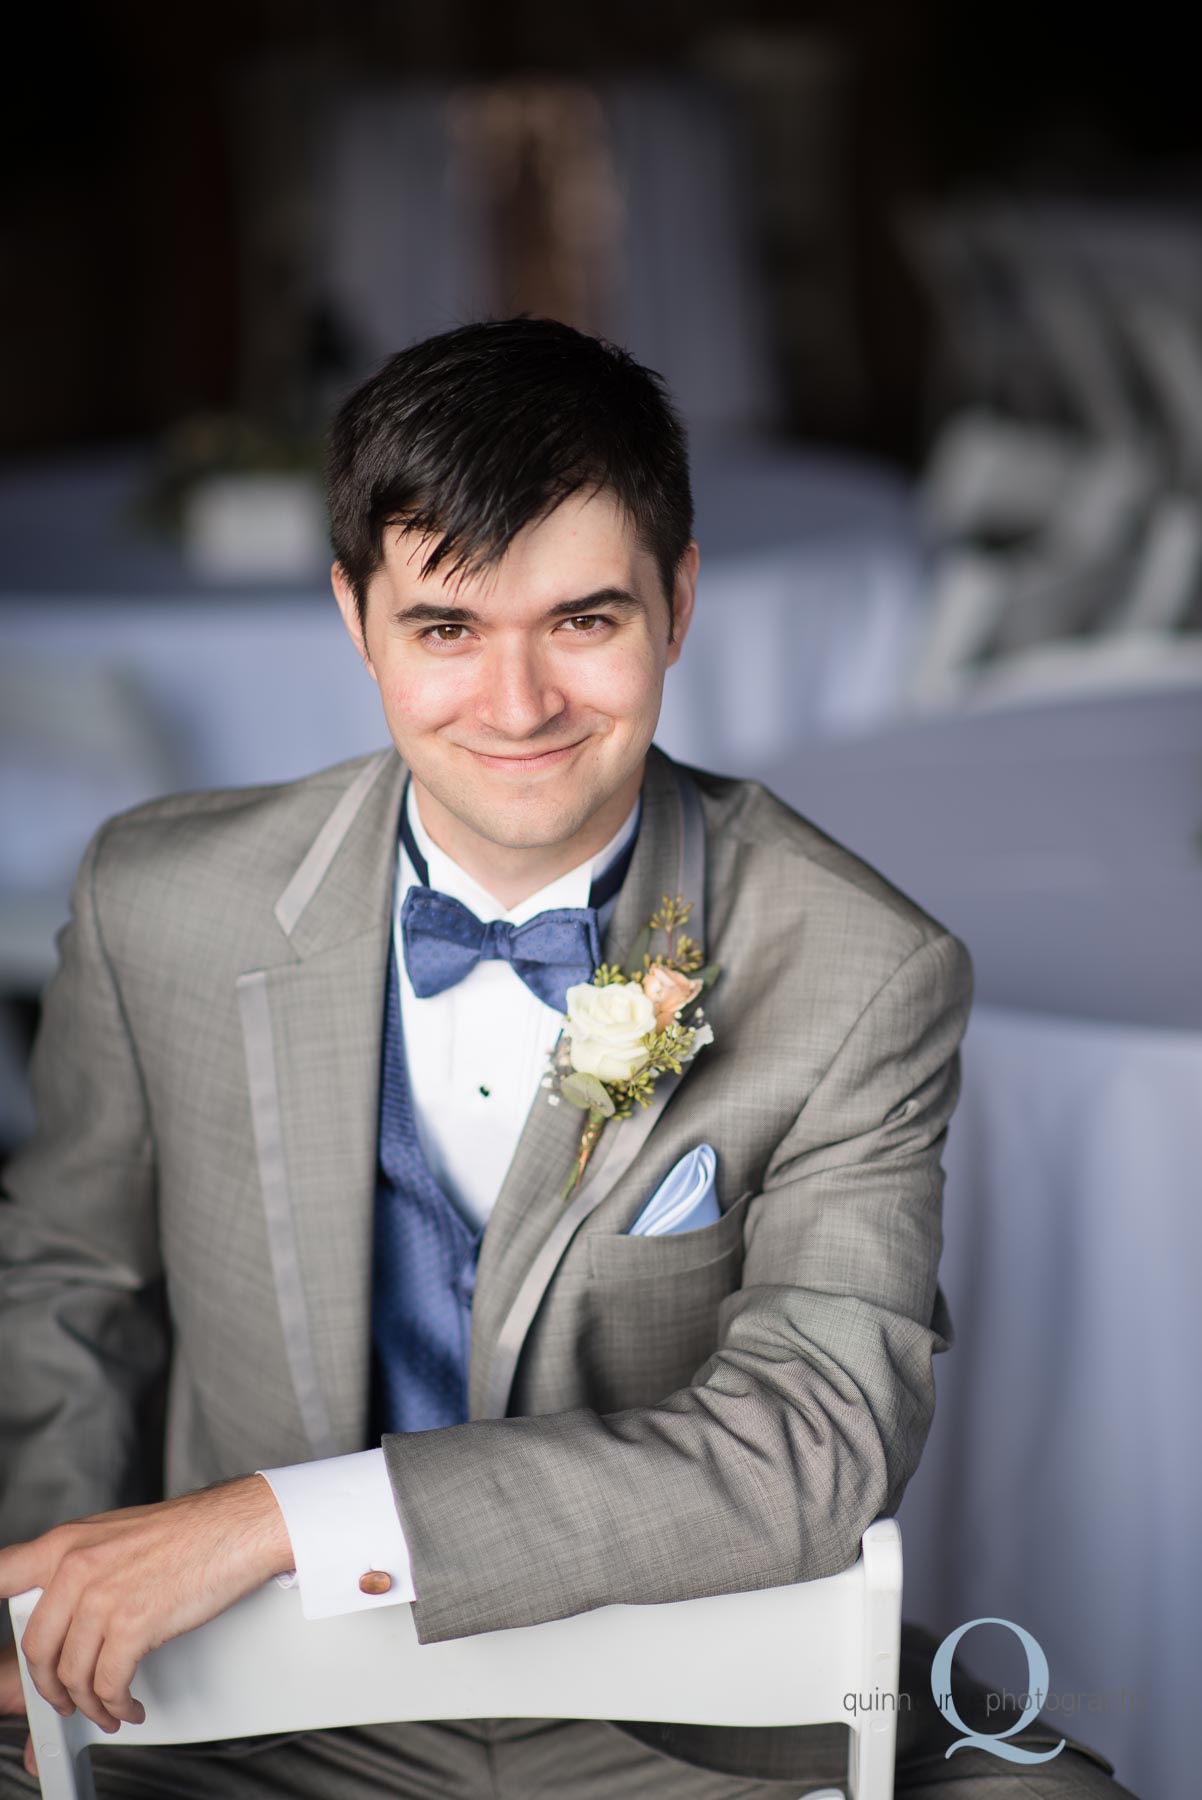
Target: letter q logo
x=993 y=1741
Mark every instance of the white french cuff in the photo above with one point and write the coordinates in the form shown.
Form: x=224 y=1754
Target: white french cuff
x=343 y=1523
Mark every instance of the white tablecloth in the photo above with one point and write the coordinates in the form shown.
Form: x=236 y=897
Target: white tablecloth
x=1060 y=1484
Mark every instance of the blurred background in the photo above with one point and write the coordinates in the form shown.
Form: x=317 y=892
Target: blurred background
x=926 y=281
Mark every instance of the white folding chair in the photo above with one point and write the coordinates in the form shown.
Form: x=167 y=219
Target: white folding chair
x=779 y=1656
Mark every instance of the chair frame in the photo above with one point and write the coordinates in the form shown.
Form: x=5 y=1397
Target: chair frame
x=774 y=1656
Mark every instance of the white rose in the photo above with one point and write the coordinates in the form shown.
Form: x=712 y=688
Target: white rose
x=606 y=1027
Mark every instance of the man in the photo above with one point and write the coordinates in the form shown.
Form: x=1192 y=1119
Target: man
x=299 y=1181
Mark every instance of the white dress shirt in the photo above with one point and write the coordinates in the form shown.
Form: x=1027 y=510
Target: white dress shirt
x=475 y=1056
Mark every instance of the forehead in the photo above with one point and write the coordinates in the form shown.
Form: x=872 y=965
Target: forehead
x=586 y=542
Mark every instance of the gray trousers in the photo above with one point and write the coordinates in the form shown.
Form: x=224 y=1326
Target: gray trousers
x=507 y=1759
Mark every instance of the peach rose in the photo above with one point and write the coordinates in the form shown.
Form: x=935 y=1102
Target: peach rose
x=668 y=991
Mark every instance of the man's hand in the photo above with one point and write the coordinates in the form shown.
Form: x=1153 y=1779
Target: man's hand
x=120 y=1583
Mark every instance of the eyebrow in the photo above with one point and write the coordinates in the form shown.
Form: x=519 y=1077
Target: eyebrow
x=424 y=611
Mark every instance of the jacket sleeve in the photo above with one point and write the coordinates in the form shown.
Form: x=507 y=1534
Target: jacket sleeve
x=82 y=1335
x=805 y=1423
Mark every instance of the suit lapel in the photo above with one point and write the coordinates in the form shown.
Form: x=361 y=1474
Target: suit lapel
x=530 y=1226
x=312 y=1027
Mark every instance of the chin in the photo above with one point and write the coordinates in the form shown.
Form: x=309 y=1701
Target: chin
x=531 y=821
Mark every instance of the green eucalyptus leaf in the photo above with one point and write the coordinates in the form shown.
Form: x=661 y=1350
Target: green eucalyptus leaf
x=709 y=975
x=586 y=1091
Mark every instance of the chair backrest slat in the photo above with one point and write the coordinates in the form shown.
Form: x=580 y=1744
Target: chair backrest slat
x=776 y=1656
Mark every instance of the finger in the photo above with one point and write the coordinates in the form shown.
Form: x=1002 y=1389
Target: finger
x=77 y=1667
x=24 y=1566
x=42 y=1644
x=29 y=1759
x=116 y=1667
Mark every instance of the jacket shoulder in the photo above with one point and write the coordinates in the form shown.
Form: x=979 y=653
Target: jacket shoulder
x=199 y=873
x=269 y=825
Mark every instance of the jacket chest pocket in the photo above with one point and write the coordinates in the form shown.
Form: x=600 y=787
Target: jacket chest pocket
x=652 y=1308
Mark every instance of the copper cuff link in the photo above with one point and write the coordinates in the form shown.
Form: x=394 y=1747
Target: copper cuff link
x=375 y=1581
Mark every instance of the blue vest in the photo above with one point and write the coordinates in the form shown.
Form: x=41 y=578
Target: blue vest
x=423 y=1264
x=425 y=1252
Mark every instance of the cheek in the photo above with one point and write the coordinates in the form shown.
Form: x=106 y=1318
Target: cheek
x=618 y=682
x=422 y=698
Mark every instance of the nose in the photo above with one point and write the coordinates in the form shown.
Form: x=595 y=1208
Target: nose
x=518 y=696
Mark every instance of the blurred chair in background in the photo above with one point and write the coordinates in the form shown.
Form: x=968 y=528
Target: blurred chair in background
x=1063 y=493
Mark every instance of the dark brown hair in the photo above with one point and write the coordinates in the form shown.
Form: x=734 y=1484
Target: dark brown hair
x=477 y=432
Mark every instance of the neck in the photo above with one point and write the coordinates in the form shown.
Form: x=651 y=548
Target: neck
x=511 y=873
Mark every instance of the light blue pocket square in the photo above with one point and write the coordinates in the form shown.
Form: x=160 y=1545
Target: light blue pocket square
x=685 y=1199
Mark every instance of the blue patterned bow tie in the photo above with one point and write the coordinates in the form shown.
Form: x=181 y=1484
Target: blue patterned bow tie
x=443 y=940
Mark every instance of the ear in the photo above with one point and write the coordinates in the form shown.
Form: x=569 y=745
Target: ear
x=348 y=606
x=684 y=594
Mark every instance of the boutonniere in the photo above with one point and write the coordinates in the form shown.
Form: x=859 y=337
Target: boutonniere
x=627 y=1027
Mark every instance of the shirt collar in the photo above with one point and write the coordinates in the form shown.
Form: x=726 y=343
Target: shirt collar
x=569 y=889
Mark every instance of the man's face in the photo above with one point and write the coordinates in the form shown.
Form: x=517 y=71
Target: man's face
x=524 y=698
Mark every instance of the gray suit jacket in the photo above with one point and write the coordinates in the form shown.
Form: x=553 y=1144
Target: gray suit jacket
x=188 y=1234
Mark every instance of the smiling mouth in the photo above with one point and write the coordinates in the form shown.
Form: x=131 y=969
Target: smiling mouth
x=540 y=759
